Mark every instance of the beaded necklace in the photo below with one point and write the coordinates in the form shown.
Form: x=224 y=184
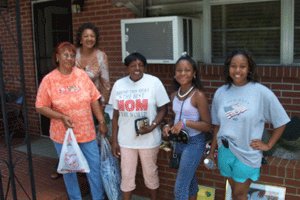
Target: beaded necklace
x=185 y=94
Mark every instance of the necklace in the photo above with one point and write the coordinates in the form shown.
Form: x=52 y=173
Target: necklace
x=185 y=94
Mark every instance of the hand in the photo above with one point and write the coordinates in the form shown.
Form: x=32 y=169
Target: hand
x=177 y=127
x=67 y=121
x=166 y=130
x=259 y=145
x=211 y=156
x=103 y=129
x=116 y=149
x=146 y=129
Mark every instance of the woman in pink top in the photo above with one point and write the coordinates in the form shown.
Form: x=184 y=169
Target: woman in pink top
x=69 y=98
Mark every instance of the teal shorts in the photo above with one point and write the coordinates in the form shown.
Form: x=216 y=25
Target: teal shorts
x=230 y=166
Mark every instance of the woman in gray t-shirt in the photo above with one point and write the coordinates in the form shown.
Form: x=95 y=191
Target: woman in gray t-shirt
x=239 y=112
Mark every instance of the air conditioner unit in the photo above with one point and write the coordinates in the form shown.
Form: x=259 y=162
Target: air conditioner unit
x=161 y=39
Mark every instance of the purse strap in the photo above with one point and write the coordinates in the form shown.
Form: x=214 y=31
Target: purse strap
x=181 y=109
x=173 y=152
x=174 y=144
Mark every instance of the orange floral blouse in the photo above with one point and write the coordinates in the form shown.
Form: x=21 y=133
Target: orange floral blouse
x=71 y=95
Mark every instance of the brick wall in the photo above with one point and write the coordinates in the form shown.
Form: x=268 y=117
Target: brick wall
x=278 y=172
x=283 y=80
x=9 y=44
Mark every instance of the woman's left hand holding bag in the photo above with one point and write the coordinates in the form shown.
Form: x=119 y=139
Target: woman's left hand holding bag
x=103 y=128
x=98 y=112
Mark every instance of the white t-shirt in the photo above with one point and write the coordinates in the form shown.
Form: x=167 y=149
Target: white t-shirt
x=241 y=112
x=134 y=100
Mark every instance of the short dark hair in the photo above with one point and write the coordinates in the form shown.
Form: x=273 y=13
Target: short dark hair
x=61 y=46
x=196 y=80
x=252 y=75
x=82 y=28
x=133 y=57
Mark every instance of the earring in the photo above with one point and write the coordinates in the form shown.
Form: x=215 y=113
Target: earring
x=57 y=60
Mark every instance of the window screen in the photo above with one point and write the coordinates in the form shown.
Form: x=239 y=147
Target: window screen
x=152 y=39
x=253 y=26
x=297 y=33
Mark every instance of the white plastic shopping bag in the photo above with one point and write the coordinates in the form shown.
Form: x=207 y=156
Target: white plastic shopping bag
x=71 y=158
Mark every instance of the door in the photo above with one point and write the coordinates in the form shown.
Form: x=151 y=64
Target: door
x=52 y=24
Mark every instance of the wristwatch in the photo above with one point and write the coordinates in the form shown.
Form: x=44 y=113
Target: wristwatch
x=154 y=123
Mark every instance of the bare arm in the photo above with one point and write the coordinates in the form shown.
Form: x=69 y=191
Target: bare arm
x=214 y=144
x=98 y=112
x=260 y=145
x=167 y=127
x=115 y=129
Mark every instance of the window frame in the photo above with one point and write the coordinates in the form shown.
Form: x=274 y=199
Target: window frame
x=286 y=28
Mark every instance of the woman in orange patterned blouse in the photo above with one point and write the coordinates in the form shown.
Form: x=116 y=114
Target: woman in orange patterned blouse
x=69 y=98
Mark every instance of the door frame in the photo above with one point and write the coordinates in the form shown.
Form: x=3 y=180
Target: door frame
x=36 y=56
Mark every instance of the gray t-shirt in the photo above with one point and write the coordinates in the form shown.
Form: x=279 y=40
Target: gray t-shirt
x=241 y=112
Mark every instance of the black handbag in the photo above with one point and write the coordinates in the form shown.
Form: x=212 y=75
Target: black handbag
x=139 y=123
x=182 y=137
x=174 y=159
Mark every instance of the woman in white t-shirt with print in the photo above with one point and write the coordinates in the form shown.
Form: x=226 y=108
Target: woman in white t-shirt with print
x=141 y=97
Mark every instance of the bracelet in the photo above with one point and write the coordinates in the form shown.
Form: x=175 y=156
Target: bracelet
x=166 y=125
x=102 y=122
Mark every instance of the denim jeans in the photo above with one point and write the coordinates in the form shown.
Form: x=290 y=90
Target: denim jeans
x=91 y=152
x=186 y=184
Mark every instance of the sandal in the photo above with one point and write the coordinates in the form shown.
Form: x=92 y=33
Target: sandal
x=55 y=175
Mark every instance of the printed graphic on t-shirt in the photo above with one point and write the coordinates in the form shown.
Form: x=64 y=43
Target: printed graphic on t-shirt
x=133 y=103
x=69 y=89
x=234 y=110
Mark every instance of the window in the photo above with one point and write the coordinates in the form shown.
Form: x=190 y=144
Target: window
x=297 y=33
x=253 y=26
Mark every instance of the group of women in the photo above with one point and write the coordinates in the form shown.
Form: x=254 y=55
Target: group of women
x=69 y=96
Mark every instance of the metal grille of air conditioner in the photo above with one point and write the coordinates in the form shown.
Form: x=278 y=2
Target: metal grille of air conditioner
x=154 y=39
